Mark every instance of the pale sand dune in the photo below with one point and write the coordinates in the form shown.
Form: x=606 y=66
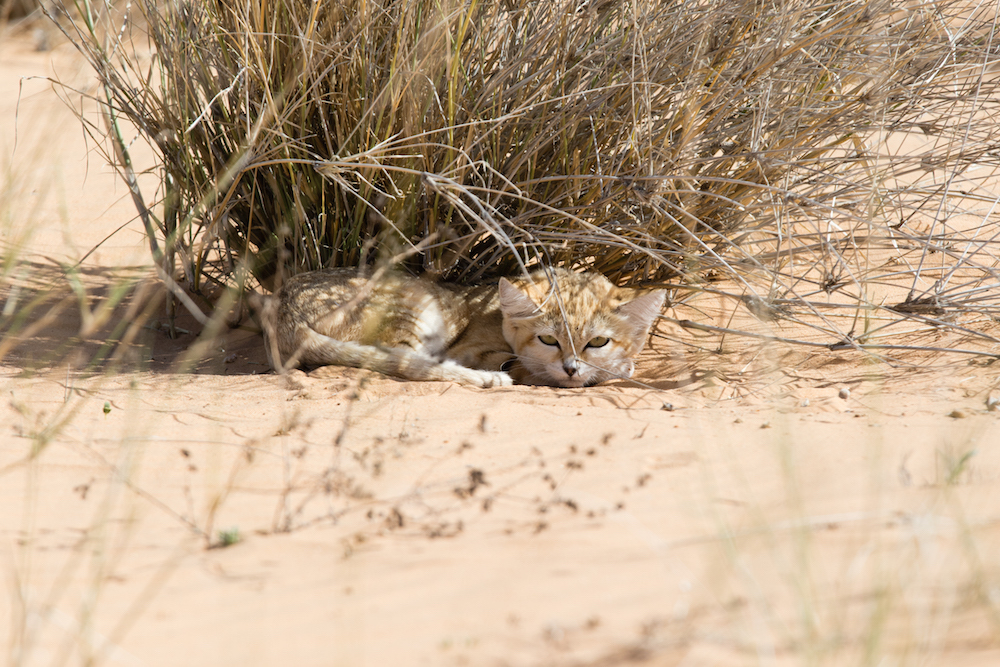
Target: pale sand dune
x=764 y=520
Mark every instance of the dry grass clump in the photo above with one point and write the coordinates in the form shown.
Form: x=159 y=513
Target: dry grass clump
x=769 y=143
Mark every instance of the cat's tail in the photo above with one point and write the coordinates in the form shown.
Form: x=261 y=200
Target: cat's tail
x=316 y=349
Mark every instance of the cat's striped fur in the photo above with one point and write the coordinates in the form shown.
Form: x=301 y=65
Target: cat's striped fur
x=555 y=327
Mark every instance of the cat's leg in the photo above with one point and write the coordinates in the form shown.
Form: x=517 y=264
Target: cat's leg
x=316 y=348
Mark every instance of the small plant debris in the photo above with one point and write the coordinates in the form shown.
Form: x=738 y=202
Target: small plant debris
x=228 y=537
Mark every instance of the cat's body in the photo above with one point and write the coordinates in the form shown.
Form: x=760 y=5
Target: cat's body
x=583 y=332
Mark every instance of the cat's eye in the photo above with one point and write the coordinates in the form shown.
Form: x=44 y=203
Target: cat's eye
x=598 y=341
x=549 y=340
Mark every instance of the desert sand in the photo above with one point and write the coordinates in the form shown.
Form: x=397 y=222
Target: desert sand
x=765 y=504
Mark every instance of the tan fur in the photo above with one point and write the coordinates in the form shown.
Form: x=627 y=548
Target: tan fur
x=484 y=335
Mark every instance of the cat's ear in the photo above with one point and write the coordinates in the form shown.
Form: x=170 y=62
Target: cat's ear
x=514 y=303
x=643 y=310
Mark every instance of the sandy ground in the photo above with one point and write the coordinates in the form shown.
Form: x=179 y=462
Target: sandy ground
x=760 y=506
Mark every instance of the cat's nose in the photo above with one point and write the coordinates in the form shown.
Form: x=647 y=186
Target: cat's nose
x=571 y=367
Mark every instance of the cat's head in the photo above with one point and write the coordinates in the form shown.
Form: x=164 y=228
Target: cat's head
x=579 y=332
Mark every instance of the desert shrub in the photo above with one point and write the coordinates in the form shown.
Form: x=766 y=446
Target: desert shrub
x=652 y=141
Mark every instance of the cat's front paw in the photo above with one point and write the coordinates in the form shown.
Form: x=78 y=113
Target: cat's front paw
x=495 y=379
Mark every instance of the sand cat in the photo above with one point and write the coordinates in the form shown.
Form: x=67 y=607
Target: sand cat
x=554 y=327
